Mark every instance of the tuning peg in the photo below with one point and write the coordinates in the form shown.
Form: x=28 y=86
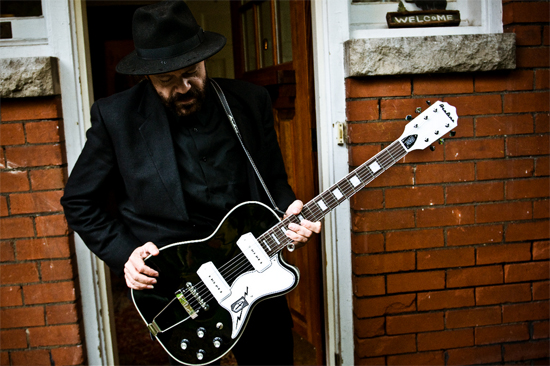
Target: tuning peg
x=452 y=133
x=432 y=148
x=428 y=103
x=441 y=141
x=409 y=118
x=418 y=110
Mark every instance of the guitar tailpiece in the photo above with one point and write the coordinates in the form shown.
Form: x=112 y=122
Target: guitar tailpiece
x=290 y=247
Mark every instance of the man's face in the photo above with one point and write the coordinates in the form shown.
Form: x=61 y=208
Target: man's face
x=183 y=90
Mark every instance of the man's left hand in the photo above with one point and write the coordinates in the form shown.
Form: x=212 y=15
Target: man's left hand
x=301 y=233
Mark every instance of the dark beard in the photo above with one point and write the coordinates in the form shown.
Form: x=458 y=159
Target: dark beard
x=184 y=111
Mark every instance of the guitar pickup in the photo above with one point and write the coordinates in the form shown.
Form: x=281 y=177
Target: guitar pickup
x=254 y=252
x=213 y=279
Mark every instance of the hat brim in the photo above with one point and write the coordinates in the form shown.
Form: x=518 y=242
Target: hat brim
x=132 y=64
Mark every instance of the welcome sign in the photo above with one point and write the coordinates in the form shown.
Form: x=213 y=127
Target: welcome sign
x=425 y=18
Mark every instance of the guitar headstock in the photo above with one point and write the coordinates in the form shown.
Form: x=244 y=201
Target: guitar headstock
x=429 y=126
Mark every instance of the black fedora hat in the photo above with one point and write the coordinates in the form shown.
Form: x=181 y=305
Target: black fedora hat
x=167 y=38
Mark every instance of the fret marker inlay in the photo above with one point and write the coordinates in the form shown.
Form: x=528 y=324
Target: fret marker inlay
x=355 y=181
x=322 y=205
x=337 y=194
x=375 y=167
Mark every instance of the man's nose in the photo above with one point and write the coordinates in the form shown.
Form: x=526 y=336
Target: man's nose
x=183 y=86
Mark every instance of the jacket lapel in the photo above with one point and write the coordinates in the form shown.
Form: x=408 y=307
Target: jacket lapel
x=155 y=131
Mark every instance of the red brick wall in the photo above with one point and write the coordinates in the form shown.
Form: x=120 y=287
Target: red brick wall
x=40 y=320
x=451 y=247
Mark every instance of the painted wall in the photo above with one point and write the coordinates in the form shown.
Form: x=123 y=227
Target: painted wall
x=451 y=247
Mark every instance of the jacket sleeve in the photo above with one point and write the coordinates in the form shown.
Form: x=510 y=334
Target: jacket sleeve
x=86 y=194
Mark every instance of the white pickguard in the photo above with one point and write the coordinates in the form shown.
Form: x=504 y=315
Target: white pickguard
x=251 y=287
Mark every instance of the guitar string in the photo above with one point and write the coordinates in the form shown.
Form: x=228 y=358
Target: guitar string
x=236 y=266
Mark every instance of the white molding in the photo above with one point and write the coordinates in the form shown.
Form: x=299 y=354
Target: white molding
x=330 y=25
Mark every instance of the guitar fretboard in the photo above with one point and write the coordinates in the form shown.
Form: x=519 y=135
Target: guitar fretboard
x=275 y=239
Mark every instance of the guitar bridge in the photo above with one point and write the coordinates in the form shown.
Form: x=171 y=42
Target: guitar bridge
x=195 y=294
x=192 y=313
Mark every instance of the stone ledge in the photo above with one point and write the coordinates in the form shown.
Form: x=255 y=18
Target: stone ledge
x=430 y=54
x=29 y=77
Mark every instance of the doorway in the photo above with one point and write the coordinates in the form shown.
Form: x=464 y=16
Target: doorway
x=290 y=83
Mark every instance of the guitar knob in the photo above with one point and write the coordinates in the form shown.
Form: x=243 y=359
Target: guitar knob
x=219 y=325
x=200 y=332
x=200 y=354
x=217 y=342
x=184 y=344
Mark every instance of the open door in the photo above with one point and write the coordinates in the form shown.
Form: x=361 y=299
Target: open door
x=273 y=47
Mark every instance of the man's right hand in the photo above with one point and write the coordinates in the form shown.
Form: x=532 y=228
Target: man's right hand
x=139 y=276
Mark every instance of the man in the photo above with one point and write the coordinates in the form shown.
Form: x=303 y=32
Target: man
x=167 y=151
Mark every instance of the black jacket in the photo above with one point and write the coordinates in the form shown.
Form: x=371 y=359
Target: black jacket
x=129 y=151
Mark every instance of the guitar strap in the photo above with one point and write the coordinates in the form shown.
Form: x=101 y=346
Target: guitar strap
x=231 y=119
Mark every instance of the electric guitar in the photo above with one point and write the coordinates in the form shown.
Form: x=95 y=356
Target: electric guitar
x=207 y=288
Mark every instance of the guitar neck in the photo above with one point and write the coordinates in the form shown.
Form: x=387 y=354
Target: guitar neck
x=275 y=239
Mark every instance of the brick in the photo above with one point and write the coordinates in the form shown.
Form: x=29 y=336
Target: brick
x=51 y=225
x=43 y=248
x=528 y=35
x=503 y=253
x=21 y=109
x=531 y=271
x=359 y=154
x=527 y=145
x=400 y=175
x=479 y=234
x=18 y=273
x=399 y=108
x=47 y=179
x=536 y=230
x=368 y=200
x=541 y=330
x=445 y=339
x=49 y=293
x=68 y=356
x=34 y=155
x=476 y=276
x=375 y=131
x=541 y=290
x=542 y=122
x=527 y=12
x=507 y=211
x=515 y=313
x=445 y=258
x=504 y=125
x=414 y=196
x=414 y=323
x=450 y=84
x=527 y=188
x=12 y=134
x=383 y=263
x=474 y=355
x=526 y=102
x=54 y=335
x=541 y=209
x=369 y=286
x=474 y=149
x=542 y=166
x=7 y=253
x=3 y=206
x=14 y=181
x=541 y=250
x=378 y=306
x=445 y=173
x=424 y=156
x=362 y=110
x=371 y=361
x=491 y=295
x=447 y=299
x=501 y=334
x=445 y=216
x=31 y=357
x=504 y=81
x=542 y=79
x=372 y=87
x=526 y=351
x=528 y=57
x=475 y=317
x=10 y=296
x=502 y=169
x=476 y=105
x=13 y=339
x=475 y=192
x=56 y=270
x=16 y=227
x=370 y=327
x=367 y=243
x=419 y=358
x=414 y=239
x=43 y=132
x=415 y=281
x=383 y=220
x=22 y=317
x=24 y=203
x=4 y=358
x=388 y=345
x=546 y=36
x=61 y=314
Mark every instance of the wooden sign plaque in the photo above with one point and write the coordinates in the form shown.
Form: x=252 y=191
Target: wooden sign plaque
x=423 y=18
